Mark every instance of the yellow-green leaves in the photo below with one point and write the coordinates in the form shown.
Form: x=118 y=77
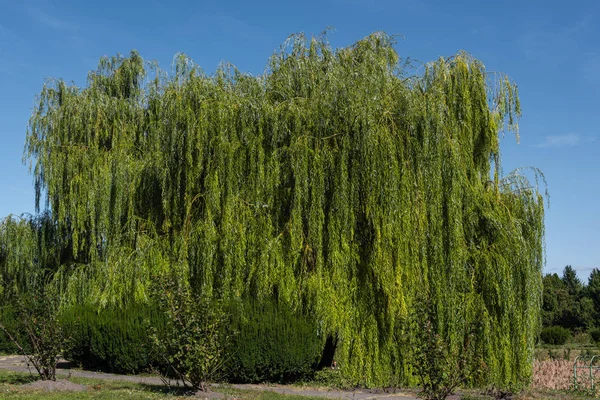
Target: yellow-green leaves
x=341 y=183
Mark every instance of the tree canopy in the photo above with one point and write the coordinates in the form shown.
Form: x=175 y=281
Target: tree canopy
x=343 y=184
x=568 y=303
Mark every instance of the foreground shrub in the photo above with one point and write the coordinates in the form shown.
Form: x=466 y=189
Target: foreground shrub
x=272 y=343
x=192 y=343
x=332 y=378
x=555 y=335
x=439 y=368
x=111 y=340
x=36 y=331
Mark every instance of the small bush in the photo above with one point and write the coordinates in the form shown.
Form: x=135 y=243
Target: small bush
x=272 y=342
x=581 y=338
x=36 y=331
x=438 y=368
x=595 y=334
x=556 y=335
x=111 y=340
x=192 y=343
x=332 y=378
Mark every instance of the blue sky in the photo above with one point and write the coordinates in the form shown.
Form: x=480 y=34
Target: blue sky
x=550 y=48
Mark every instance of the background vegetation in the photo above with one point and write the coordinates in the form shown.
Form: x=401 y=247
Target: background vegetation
x=570 y=303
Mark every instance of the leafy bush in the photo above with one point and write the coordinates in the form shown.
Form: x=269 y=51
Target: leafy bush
x=36 y=331
x=555 y=335
x=272 y=343
x=439 y=368
x=581 y=338
x=192 y=342
x=332 y=378
x=111 y=340
x=594 y=334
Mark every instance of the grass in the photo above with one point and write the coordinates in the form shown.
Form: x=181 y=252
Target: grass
x=568 y=351
x=11 y=388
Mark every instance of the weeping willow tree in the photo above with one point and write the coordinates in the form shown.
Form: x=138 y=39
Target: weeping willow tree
x=342 y=184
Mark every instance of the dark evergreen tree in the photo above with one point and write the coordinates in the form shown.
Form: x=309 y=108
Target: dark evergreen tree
x=593 y=292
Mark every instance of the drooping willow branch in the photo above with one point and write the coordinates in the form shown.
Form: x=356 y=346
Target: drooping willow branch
x=371 y=184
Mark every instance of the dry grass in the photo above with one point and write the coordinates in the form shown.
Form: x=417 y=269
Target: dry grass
x=552 y=374
x=558 y=375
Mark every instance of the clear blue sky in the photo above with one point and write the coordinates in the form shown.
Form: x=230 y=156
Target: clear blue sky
x=550 y=48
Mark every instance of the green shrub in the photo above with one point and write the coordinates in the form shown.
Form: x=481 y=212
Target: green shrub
x=555 y=335
x=268 y=342
x=438 y=367
x=9 y=321
x=332 y=378
x=271 y=343
x=111 y=340
x=35 y=330
x=582 y=338
x=595 y=334
x=192 y=342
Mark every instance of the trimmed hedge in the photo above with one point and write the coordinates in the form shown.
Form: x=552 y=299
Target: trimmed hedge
x=555 y=335
x=271 y=343
x=111 y=340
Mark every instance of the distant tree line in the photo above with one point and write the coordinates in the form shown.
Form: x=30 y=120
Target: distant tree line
x=570 y=303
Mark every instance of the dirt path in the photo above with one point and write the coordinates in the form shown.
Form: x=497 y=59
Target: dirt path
x=17 y=363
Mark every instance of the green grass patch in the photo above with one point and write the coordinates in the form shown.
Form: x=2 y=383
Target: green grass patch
x=12 y=387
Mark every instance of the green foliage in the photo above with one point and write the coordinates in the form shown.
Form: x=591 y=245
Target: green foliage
x=555 y=297
x=569 y=303
x=111 y=340
x=440 y=366
x=332 y=378
x=555 y=335
x=571 y=281
x=271 y=343
x=337 y=183
x=31 y=250
x=192 y=342
x=8 y=319
x=581 y=338
x=595 y=334
x=37 y=332
x=593 y=292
